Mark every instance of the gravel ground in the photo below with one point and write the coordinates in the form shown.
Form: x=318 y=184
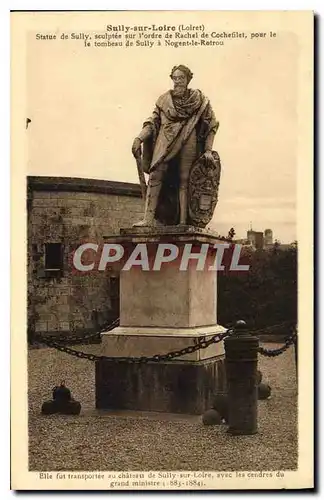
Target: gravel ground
x=98 y=441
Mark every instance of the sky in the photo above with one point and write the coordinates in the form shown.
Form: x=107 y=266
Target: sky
x=86 y=106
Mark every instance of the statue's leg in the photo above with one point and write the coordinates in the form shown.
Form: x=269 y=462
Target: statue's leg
x=183 y=199
x=187 y=157
x=152 y=196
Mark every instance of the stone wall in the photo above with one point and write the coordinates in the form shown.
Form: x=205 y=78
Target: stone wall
x=70 y=211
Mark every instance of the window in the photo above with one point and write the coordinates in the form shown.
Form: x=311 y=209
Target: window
x=114 y=297
x=53 y=256
x=114 y=287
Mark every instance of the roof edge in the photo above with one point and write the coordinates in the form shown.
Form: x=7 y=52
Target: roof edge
x=79 y=184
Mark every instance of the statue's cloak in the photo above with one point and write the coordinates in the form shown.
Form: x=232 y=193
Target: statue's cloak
x=172 y=122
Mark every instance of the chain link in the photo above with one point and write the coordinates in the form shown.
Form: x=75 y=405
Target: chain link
x=83 y=339
x=201 y=344
x=288 y=324
x=271 y=353
x=255 y=331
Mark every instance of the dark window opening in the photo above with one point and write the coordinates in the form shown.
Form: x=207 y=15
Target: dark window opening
x=53 y=256
x=114 y=297
x=114 y=287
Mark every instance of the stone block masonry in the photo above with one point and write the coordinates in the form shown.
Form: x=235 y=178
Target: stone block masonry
x=175 y=387
x=167 y=318
x=67 y=211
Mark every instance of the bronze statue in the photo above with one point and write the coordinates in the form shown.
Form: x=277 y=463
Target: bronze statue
x=177 y=154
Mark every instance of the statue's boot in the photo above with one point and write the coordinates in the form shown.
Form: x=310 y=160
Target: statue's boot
x=152 y=196
x=183 y=201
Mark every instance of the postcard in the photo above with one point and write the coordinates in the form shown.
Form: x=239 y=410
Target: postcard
x=162 y=250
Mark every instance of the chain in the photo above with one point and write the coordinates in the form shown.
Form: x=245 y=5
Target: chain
x=272 y=327
x=201 y=344
x=256 y=331
x=83 y=339
x=271 y=353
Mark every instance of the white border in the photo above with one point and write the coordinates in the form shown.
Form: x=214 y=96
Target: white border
x=5 y=6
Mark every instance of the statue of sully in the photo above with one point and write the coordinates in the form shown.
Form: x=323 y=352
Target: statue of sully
x=175 y=149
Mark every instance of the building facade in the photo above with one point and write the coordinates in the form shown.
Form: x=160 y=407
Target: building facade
x=255 y=238
x=62 y=214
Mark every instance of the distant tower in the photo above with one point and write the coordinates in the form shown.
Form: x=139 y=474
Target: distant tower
x=268 y=237
x=255 y=238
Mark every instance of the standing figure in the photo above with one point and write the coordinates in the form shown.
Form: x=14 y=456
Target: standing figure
x=180 y=131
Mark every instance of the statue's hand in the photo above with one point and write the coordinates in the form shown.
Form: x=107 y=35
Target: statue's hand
x=136 y=148
x=208 y=155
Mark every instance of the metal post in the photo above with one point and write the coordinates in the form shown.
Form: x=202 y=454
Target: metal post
x=241 y=358
x=95 y=319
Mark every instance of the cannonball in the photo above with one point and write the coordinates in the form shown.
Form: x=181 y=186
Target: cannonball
x=49 y=408
x=259 y=377
x=61 y=393
x=264 y=391
x=211 y=417
x=220 y=404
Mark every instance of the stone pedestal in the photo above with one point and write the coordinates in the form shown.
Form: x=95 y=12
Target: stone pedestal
x=161 y=311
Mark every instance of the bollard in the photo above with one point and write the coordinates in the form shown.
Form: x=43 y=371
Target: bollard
x=241 y=360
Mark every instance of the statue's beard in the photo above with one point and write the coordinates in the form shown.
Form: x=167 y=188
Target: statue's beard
x=179 y=91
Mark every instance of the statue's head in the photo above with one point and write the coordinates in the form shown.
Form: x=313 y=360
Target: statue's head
x=181 y=76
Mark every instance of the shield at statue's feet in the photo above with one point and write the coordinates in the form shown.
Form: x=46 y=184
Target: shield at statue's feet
x=203 y=190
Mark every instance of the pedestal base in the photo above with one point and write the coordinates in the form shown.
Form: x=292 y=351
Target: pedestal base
x=185 y=384
x=148 y=341
x=173 y=387
x=164 y=310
